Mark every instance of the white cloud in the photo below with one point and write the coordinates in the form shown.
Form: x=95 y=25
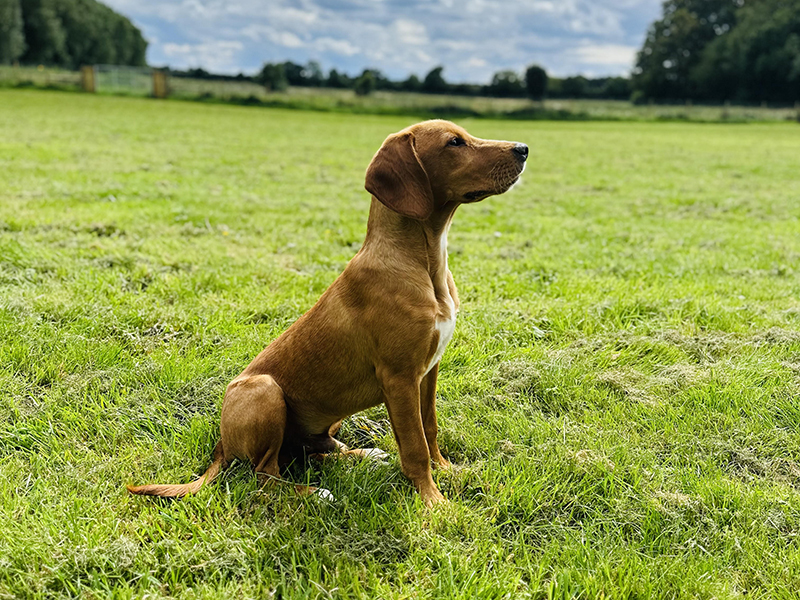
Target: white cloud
x=409 y=32
x=213 y=55
x=286 y=38
x=341 y=47
x=606 y=54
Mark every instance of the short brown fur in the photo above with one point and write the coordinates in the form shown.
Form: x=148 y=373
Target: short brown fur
x=373 y=334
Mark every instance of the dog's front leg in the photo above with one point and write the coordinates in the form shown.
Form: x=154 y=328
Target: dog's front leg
x=402 y=397
x=428 y=405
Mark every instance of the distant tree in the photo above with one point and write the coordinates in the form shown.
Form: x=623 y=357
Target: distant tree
x=44 y=33
x=434 y=82
x=365 y=84
x=412 y=84
x=536 y=82
x=312 y=73
x=12 y=35
x=506 y=84
x=759 y=60
x=338 y=80
x=722 y=50
x=273 y=77
x=574 y=87
x=381 y=81
x=294 y=73
x=674 y=45
x=130 y=44
x=716 y=76
x=88 y=33
x=466 y=89
x=71 y=33
x=616 y=88
x=198 y=73
x=554 y=87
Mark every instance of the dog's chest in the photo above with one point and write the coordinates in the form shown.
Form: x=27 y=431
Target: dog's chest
x=445 y=327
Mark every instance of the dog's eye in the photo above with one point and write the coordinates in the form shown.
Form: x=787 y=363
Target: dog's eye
x=457 y=141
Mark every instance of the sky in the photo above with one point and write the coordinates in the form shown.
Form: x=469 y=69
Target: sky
x=472 y=39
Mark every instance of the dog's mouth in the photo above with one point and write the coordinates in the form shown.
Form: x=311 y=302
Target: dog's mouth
x=503 y=178
x=478 y=195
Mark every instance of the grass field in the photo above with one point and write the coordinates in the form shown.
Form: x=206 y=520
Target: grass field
x=620 y=399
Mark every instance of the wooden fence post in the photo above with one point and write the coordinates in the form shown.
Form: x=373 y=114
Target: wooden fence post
x=88 y=80
x=159 y=84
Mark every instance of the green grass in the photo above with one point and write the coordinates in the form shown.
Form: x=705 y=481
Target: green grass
x=620 y=398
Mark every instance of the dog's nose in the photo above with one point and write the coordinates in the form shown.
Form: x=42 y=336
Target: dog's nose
x=521 y=150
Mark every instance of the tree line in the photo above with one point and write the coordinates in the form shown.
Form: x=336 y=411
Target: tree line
x=533 y=83
x=718 y=50
x=68 y=34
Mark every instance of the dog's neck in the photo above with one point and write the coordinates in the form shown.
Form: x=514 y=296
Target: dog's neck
x=420 y=243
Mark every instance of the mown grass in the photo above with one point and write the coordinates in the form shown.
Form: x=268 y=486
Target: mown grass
x=619 y=400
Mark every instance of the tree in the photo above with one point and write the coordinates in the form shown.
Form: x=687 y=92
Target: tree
x=675 y=43
x=758 y=60
x=273 y=77
x=313 y=75
x=381 y=81
x=574 y=87
x=12 y=36
x=71 y=33
x=338 y=80
x=294 y=73
x=87 y=25
x=434 y=82
x=536 y=82
x=506 y=84
x=365 y=84
x=617 y=88
x=722 y=50
x=131 y=47
x=412 y=84
x=44 y=33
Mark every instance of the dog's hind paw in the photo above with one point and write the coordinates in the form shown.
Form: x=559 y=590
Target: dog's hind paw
x=375 y=454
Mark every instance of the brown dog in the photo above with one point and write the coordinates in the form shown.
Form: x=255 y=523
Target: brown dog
x=378 y=332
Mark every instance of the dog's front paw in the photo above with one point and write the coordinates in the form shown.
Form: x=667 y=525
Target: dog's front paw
x=432 y=497
x=442 y=463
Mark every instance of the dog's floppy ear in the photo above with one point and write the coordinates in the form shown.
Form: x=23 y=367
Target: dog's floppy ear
x=397 y=178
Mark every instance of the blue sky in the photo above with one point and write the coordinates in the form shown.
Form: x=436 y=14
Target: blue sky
x=471 y=38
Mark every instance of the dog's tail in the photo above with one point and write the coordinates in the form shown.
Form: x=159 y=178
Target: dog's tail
x=182 y=489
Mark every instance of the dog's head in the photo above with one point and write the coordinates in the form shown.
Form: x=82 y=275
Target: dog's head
x=436 y=163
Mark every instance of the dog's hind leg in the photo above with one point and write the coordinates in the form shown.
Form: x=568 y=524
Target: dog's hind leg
x=253 y=425
x=253 y=422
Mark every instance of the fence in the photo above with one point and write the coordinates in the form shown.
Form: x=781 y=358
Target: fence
x=121 y=80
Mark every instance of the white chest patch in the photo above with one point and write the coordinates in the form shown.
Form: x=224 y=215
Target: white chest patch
x=445 y=327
